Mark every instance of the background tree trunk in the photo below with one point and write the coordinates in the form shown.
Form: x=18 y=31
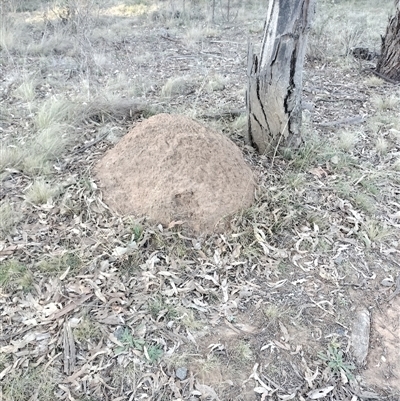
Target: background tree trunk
x=389 y=62
x=275 y=77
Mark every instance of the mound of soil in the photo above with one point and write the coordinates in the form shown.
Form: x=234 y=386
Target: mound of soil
x=171 y=168
x=383 y=363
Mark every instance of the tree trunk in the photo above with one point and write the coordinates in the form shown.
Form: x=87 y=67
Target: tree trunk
x=389 y=62
x=275 y=77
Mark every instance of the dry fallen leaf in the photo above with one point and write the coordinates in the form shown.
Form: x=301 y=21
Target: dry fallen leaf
x=320 y=392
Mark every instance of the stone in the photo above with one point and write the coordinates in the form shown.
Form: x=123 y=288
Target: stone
x=360 y=335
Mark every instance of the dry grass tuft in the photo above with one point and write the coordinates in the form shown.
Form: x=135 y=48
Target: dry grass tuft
x=10 y=156
x=41 y=192
x=14 y=275
x=7 y=36
x=36 y=164
x=54 y=111
x=175 y=87
x=24 y=383
x=375 y=231
x=374 y=81
x=87 y=331
x=348 y=139
x=26 y=91
x=59 y=264
x=52 y=141
x=216 y=83
x=9 y=217
x=242 y=352
x=381 y=145
x=384 y=103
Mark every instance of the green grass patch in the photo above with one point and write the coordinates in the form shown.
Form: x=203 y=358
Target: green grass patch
x=15 y=275
x=160 y=309
x=25 y=384
x=59 y=264
x=87 y=331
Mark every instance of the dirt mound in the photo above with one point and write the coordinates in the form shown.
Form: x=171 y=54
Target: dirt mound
x=171 y=168
x=383 y=363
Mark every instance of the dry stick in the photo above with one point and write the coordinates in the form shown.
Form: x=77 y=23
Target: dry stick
x=344 y=121
x=397 y=289
x=169 y=38
x=90 y=144
x=279 y=141
x=384 y=77
x=224 y=114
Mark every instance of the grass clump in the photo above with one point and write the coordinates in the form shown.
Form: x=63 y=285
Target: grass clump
x=14 y=275
x=59 y=264
x=26 y=91
x=189 y=320
x=273 y=314
x=347 y=140
x=125 y=377
x=27 y=384
x=10 y=156
x=54 y=111
x=384 y=103
x=153 y=353
x=242 y=352
x=364 y=202
x=87 y=330
x=240 y=124
x=7 y=35
x=396 y=165
x=375 y=231
x=335 y=361
x=41 y=192
x=52 y=141
x=216 y=83
x=36 y=164
x=175 y=87
x=310 y=153
x=8 y=218
x=374 y=81
x=381 y=145
x=159 y=309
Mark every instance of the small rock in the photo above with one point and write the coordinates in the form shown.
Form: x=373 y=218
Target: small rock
x=181 y=373
x=360 y=335
x=387 y=282
x=335 y=159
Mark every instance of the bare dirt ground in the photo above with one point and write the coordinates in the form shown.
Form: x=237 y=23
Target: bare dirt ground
x=111 y=307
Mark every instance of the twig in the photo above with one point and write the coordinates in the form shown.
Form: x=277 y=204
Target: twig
x=87 y=146
x=384 y=77
x=224 y=114
x=344 y=121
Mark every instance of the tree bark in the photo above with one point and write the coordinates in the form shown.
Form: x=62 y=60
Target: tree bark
x=389 y=61
x=275 y=77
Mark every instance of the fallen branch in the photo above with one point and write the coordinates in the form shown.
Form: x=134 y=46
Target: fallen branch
x=225 y=114
x=345 y=121
x=384 y=77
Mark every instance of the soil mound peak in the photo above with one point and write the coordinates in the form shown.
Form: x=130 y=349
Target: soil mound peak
x=171 y=168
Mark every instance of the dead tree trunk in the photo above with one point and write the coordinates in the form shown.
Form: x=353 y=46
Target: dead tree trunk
x=275 y=77
x=389 y=61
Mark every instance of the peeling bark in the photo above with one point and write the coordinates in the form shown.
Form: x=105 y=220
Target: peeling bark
x=275 y=77
x=389 y=62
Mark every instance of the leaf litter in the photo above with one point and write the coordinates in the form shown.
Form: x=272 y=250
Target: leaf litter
x=110 y=307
